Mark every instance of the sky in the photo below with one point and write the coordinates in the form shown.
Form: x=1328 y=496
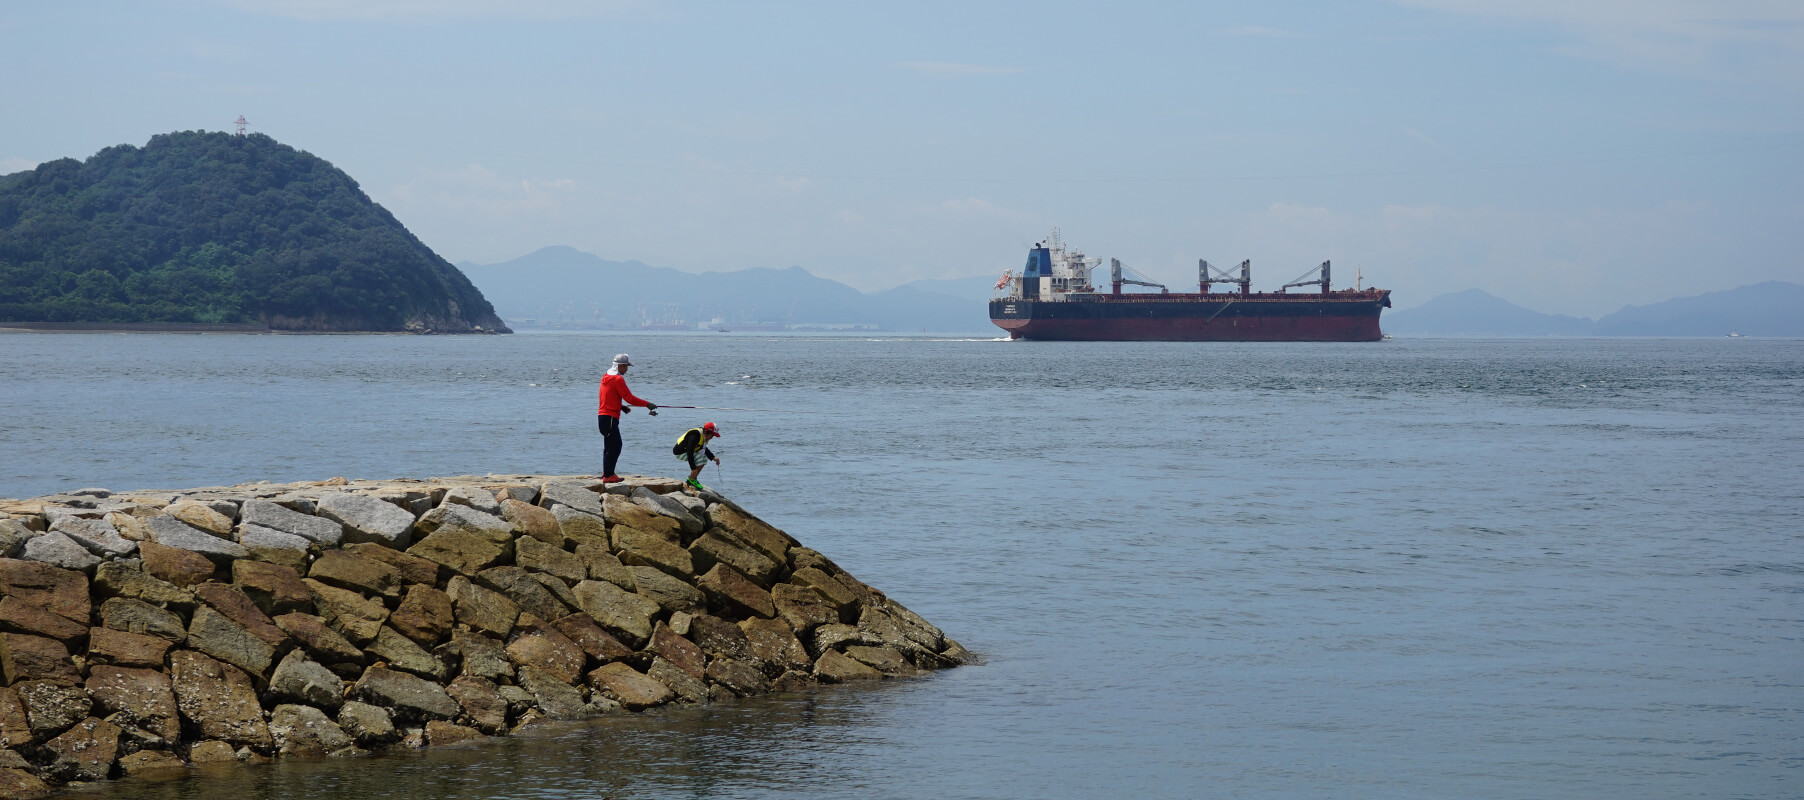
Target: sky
x=1569 y=156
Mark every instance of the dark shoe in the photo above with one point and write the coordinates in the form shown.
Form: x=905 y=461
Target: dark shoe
x=611 y=479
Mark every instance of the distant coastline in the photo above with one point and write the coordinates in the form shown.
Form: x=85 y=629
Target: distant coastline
x=136 y=327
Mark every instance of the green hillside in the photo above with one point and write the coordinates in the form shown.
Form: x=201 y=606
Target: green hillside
x=215 y=228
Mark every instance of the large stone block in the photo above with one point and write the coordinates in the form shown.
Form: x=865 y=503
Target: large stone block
x=775 y=647
x=622 y=511
x=143 y=697
x=365 y=576
x=473 y=496
x=50 y=707
x=303 y=680
x=837 y=667
x=557 y=588
x=735 y=594
x=403 y=654
x=483 y=609
x=574 y=495
x=212 y=633
x=622 y=613
x=886 y=660
x=153 y=765
x=537 y=523
x=137 y=616
x=176 y=565
x=20 y=616
x=719 y=547
x=58 y=550
x=482 y=656
x=357 y=617
x=652 y=550
x=719 y=637
x=425 y=615
x=688 y=688
x=129 y=580
x=273 y=546
x=201 y=516
x=306 y=732
x=368 y=519
x=413 y=569
x=550 y=651
x=678 y=650
x=802 y=607
x=13 y=535
x=24 y=657
x=669 y=592
x=579 y=527
x=552 y=694
x=319 y=530
x=597 y=643
x=59 y=591
x=669 y=506
x=320 y=641
x=464 y=518
x=369 y=725
x=519 y=586
x=603 y=565
x=410 y=697
x=755 y=532
x=629 y=687
x=85 y=752
x=462 y=550
x=274 y=588
x=218 y=699
x=119 y=648
x=839 y=594
x=532 y=554
x=96 y=535
x=19 y=784
x=171 y=532
x=739 y=677
x=15 y=727
x=235 y=605
x=481 y=702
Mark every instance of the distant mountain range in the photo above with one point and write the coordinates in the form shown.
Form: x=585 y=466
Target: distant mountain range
x=1774 y=308
x=561 y=287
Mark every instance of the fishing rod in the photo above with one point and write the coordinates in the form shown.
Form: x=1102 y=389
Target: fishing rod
x=719 y=408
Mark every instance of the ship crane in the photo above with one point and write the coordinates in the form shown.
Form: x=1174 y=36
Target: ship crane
x=1207 y=274
x=1115 y=278
x=1304 y=279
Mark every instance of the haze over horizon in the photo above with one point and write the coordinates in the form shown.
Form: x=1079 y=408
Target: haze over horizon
x=1568 y=157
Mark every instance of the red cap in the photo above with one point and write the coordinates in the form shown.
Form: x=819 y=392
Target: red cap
x=708 y=428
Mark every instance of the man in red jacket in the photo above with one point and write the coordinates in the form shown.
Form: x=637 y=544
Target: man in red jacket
x=607 y=417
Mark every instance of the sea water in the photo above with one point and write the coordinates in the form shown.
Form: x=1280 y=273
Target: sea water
x=1415 y=568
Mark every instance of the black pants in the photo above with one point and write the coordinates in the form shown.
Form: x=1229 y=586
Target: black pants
x=610 y=451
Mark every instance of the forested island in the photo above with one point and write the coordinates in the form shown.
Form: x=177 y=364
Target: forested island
x=198 y=227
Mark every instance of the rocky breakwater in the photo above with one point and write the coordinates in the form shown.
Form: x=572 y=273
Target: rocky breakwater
x=146 y=632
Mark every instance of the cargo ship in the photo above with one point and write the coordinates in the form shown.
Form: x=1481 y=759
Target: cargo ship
x=1053 y=299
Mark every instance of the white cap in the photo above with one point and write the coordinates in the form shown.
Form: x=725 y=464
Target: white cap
x=622 y=359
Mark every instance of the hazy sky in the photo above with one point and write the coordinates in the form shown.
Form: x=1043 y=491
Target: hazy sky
x=1571 y=156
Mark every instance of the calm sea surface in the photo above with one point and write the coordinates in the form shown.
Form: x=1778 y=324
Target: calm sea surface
x=1416 y=568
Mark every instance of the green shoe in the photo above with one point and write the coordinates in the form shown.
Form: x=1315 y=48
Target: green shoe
x=697 y=485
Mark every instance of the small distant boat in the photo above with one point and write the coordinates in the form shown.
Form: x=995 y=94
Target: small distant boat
x=1735 y=334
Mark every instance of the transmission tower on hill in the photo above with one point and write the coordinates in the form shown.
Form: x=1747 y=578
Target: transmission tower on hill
x=242 y=123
